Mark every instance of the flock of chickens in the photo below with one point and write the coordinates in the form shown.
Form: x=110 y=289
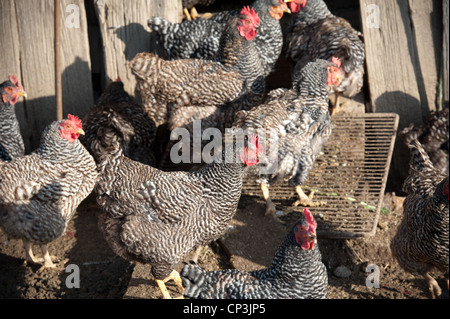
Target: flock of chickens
x=215 y=72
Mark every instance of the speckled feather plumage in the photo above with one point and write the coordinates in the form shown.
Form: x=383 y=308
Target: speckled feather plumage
x=40 y=192
x=294 y=273
x=421 y=243
x=434 y=137
x=200 y=38
x=157 y=217
x=11 y=141
x=302 y=123
x=212 y=96
x=117 y=118
x=236 y=75
x=315 y=33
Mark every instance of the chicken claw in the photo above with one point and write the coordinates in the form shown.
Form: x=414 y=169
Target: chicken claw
x=270 y=206
x=304 y=200
x=175 y=276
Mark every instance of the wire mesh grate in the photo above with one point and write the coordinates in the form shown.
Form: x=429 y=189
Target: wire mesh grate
x=349 y=177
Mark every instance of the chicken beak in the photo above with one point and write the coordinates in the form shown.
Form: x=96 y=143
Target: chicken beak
x=23 y=93
x=80 y=131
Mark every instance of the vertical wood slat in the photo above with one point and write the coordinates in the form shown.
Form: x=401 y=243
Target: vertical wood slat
x=426 y=18
x=57 y=48
x=28 y=31
x=403 y=44
x=445 y=57
x=123 y=26
x=401 y=38
x=390 y=59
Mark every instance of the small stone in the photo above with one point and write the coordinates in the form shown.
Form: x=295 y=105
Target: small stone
x=342 y=272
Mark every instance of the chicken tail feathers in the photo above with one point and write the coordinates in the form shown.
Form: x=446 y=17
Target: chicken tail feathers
x=159 y=25
x=193 y=278
x=420 y=161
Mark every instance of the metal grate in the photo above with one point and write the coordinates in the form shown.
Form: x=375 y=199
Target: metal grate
x=349 y=176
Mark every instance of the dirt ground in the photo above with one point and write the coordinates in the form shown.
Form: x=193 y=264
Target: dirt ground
x=250 y=243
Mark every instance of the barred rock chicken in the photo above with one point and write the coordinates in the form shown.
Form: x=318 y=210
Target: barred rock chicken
x=166 y=85
x=40 y=192
x=157 y=217
x=11 y=142
x=421 y=242
x=315 y=33
x=297 y=271
x=434 y=137
x=117 y=118
x=200 y=38
x=297 y=122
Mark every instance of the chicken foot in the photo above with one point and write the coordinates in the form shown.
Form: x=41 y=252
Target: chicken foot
x=175 y=276
x=435 y=290
x=194 y=15
x=305 y=200
x=30 y=259
x=336 y=103
x=270 y=206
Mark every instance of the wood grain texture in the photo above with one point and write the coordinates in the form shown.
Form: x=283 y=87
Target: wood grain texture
x=390 y=60
x=445 y=58
x=30 y=29
x=426 y=18
x=123 y=25
x=403 y=43
x=403 y=60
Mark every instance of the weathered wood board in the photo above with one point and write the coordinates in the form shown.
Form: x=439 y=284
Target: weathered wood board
x=123 y=26
x=403 y=41
x=28 y=29
x=445 y=57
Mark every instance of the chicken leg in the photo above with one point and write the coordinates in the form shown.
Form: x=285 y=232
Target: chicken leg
x=175 y=276
x=194 y=15
x=305 y=200
x=48 y=263
x=29 y=259
x=270 y=206
x=335 y=103
x=435 y=290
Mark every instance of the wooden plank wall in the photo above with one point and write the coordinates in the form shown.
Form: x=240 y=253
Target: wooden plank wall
x=403 y=41
x=28 y=30
x=445 y=57
x=123 y=26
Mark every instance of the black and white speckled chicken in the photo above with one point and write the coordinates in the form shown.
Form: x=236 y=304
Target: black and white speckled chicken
x=157 y=217
x=117 y=118
x=40 y=192
x=315 y=33
x=200 y=38
x=11 y=141
x=168 y=85
x=434 y=137
x=421 y=242
x=296 y=123
x=297 y=271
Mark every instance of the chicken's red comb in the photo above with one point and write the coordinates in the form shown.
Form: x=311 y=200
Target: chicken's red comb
x=254 y=139
x=309 y=218
x=118 y=79
x=75 y=120
x=336 y=61
x=14 y=80
x=251 y=15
